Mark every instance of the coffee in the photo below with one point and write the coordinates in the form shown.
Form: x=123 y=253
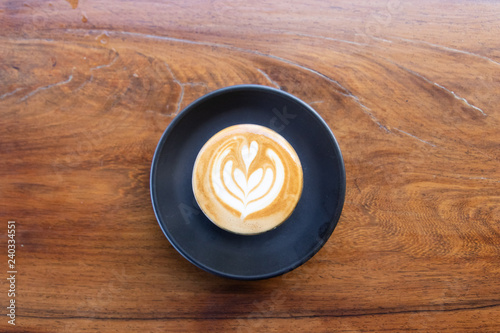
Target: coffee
x=247 y=179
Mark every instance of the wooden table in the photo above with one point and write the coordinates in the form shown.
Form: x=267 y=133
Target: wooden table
x=411 y=90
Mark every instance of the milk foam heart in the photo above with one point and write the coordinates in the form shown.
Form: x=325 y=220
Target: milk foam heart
x=247 y=179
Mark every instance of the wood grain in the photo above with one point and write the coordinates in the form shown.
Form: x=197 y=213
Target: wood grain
x=411 y=91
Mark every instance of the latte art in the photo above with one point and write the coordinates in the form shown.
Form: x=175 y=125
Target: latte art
x=247 y=193
x=247 y=179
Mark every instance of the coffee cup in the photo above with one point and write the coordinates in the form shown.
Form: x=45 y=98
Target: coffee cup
x=247 y=179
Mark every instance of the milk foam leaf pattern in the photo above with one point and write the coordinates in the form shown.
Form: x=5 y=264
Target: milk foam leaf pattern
x=244 y=192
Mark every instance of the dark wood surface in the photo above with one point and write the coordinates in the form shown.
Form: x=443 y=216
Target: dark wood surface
x=410 y=89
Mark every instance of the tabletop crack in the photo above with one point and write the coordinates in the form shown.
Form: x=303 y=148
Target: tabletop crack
x=274 y=83
x=452 y=93
x=181 y=85
x=10 y=93
x=37 y=90
x=447 y=48
x=305 y=316
x=91 y=77
x=415 y=137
